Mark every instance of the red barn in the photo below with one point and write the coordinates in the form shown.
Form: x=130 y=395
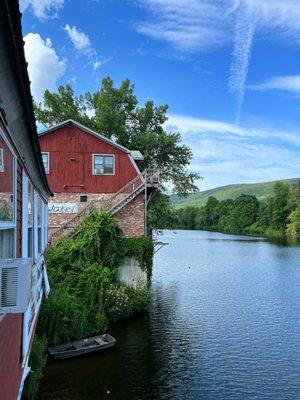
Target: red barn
x=86 y=169
x=24 y=192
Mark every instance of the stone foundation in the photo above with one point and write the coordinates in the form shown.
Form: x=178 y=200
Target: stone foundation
x=132 y=274
x=131 y=218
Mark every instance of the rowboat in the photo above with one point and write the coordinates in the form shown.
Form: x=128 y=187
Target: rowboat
x=81 y=347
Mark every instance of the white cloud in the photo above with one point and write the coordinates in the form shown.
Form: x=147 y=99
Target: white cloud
x=44 y=66
x=83 y=45
x=42 y=9
x=227 y=153
x=286 y=83
x=204 y=25
x=80 y=40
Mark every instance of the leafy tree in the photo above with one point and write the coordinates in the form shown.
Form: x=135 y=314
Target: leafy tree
x=116 y=113
x=280 y=206
x=208 y=218
x=293 y=227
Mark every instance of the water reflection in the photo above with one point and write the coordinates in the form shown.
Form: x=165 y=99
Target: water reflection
x=224 y=324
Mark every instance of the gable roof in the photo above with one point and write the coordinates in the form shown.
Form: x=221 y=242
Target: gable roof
x=88 y=130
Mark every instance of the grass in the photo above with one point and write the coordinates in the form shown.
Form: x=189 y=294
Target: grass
x=260 y=190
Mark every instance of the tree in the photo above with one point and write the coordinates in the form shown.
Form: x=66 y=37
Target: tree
x=208 y=218
x=293 y=228
x=281 y=210
x=115 y=113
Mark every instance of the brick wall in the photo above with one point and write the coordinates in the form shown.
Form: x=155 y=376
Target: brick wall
x=10 y=352
x=131 y=218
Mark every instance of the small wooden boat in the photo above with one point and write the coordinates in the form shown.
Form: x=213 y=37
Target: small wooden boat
x=81 y=347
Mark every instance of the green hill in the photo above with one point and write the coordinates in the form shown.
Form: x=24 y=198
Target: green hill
x=260 y=190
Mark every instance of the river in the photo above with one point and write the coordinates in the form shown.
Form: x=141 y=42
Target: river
x=223 y=325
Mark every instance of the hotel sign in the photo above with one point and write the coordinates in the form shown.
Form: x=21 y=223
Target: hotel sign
x=62 y=208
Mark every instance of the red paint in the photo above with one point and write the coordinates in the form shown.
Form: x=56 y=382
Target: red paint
x=71 y=152
x=6 y=181
x=10 y=356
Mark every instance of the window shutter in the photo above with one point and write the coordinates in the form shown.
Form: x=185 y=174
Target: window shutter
x=15 y=285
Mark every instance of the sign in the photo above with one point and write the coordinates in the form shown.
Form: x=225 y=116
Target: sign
x=62 y=208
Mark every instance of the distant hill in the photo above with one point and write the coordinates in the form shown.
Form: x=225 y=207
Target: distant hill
x=260 y=190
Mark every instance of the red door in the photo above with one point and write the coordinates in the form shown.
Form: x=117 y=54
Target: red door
x=76 y=169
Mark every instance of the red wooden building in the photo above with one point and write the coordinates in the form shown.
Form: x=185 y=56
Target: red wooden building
x=86 y=169
x=23 y=209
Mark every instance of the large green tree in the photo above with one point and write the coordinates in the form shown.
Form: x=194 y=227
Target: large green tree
x=115 y=112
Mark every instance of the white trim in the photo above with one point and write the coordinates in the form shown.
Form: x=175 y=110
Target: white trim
x=35 y=224
x=104 y=155
x=11 y=224
x=2 y=158
x=134 y=164
x=88 y=130
x=48 y=163
x=24 y=215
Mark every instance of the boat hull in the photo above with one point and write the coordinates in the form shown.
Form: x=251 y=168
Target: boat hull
x=83 y=347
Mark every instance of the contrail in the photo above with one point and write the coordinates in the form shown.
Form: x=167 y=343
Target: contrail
x=244 y=30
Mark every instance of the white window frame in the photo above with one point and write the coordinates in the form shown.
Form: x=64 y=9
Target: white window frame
x=48 y=157
x=11 y=224
x=104 y=155
x=2 y=158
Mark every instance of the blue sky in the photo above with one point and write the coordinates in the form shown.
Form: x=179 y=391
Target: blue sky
x=229 y=70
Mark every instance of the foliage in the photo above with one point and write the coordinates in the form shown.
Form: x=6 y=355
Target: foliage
x=142 y=248
x=275 y=216
x=123 y=301
x=37 y=362
x=117 y=115
x=262 y=191
x=83 y=272
x=293 y=227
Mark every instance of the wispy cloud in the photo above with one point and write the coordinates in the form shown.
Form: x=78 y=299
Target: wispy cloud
x=196 y=27
x=205 y=25
x=244 y=29
x=43 y=9
x=44 y=65
x=289 y=84
x=83 y=45
x=227 y=153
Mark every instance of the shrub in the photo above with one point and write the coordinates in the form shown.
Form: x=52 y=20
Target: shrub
x=37 y=362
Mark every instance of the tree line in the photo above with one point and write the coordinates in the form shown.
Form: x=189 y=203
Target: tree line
x=277 y=215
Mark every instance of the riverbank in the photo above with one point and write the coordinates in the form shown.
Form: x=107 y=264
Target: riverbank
x=86 y=291
x=221 y=325
x=278 y=216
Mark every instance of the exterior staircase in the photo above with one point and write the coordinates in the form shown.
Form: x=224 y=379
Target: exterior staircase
x=147 y=180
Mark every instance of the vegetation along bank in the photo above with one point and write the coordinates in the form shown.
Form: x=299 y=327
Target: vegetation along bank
x=86 y=291
x=277 y=215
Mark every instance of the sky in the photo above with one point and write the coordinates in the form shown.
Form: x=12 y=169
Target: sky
x=228 y=69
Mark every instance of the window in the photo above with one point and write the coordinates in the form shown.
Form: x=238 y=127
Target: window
x=30 y=220
x=83 y=199
x=39 y=224
x=103 y=164
x=1 y=161
x=7 y=200
x=45 y=157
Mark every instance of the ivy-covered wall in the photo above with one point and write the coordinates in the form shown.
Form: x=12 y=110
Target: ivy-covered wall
x=86 y=294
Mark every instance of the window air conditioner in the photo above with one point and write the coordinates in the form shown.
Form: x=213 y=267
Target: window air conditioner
x=15 y=285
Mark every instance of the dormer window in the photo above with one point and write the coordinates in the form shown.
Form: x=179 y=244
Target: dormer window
x=103 y=164
x=45 y=157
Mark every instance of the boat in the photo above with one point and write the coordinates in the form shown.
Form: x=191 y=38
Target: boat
x=81 y=347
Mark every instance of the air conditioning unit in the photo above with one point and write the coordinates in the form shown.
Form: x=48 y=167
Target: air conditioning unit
x=15 y=285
